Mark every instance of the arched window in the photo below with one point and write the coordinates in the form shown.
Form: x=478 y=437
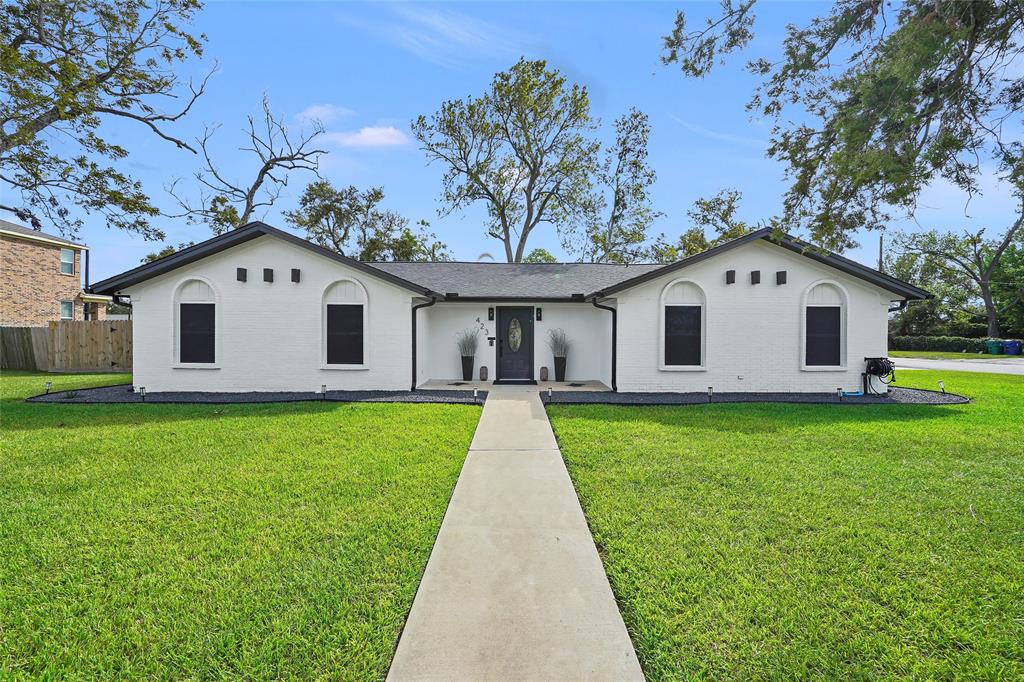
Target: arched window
x=824 y=322
x=195 y=319
x=682 y=326
x=344 y=327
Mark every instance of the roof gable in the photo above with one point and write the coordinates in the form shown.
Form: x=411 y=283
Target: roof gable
x=852 y=268
x=20 y=231
x=246 y=233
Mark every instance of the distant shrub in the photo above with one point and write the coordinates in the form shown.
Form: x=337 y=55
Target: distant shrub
x=953 y=344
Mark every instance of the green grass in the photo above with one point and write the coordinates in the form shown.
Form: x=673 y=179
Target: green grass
x=813 y=541
x=215 y=541
x=943 y=355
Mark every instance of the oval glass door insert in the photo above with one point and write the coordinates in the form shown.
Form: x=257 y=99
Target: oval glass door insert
x=515 y=335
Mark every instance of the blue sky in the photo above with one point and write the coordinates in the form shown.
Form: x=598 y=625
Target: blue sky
x=368 y=69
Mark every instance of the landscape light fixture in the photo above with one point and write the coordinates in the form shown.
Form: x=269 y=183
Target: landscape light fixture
x=49 y=385
x=942 y=385
x=839 y=393
x=323 y=391
x=549 y=393
x=475 y=395
x=711 y=392
x=142 y=392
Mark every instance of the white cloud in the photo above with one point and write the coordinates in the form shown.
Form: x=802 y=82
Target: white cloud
x=715 y=135
x=371 y=136
x=441 y=36
x=325 y=113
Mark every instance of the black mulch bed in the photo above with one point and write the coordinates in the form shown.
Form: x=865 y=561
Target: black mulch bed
x=896 y=396
x=123 y=394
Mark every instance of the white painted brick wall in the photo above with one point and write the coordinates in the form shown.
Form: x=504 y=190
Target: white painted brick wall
x=753 y=332
x=270 y=334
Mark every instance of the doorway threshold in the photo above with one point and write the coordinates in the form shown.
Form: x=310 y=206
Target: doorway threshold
x=515 y=382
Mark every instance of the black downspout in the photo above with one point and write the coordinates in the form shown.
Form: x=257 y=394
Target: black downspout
x=433 y=300
x=615 y=339
x=87 y=270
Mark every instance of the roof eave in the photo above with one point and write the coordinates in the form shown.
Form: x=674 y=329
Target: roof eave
x=113 y=285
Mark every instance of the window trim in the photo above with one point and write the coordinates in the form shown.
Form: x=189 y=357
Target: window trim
x=176 y=301
x=60 y=266
x=843 y=305
x=366 y=326
x=70 y=303
x=703 y=366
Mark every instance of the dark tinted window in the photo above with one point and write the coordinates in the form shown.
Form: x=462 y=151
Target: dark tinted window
x=197 y=343
x=823 y=331
x=682 y=335
x=344 y=334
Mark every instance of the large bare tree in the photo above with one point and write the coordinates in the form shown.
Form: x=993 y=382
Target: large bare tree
x=225 y=204
x=65 y=69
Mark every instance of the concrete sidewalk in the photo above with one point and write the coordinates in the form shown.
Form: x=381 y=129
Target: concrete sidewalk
x=514 y=588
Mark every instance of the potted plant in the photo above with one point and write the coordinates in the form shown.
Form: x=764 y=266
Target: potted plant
x=559 y=344
x=467 y=341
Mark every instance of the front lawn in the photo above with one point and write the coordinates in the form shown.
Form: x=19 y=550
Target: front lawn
x=766 y=541
x=215 y=541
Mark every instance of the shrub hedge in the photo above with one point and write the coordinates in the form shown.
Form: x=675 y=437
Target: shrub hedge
x=953 y=344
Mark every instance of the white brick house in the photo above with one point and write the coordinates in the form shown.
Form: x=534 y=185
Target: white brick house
x=258 y=309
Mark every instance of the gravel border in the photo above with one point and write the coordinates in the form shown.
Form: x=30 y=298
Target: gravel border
x=896 y=396
x=122 y=393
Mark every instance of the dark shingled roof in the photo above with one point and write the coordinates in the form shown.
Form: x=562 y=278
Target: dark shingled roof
x=8 y=226
x=515 y=280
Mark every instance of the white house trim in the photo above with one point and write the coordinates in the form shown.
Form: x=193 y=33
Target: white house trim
x=176 y=301
x=663 y=302
x=844 y=307
x=363 y=300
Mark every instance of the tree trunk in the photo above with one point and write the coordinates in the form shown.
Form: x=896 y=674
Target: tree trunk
x=991 y=314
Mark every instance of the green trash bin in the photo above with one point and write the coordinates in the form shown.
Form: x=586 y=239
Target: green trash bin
x=994 y=347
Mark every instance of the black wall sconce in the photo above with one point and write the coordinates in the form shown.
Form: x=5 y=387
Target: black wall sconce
x=490 y=314
x=295 y=275
x=780 y=277
x=730 y=277
x=268 y=274
x=240 y=274
x=755 y=276
x=539 y=313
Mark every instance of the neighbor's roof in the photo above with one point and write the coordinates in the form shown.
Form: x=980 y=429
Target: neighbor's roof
x=16 y=230
x=496 y=281
x=506 y=281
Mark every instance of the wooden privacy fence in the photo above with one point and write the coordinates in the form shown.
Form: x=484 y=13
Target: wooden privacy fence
x=69 y=346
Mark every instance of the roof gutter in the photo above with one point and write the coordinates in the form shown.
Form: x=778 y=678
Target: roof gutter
x=615 y=339
x=415 y=308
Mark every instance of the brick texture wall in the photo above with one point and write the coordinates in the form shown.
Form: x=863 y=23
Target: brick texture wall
x=32 y=285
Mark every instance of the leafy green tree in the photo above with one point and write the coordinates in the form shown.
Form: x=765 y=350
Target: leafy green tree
x=874 y=102
x=618 y=231
x=716 y=214
x=970 y=259
x=349 y=221
x=522 y=149
x=1008 y=289
x=952 y=311
x=68 y=67
x=540 y=256
x=276 y=152
x=168 y=250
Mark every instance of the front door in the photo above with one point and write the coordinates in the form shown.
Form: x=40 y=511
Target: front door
x=515 y=343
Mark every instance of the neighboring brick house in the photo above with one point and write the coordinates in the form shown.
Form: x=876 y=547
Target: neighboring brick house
x=41 y=279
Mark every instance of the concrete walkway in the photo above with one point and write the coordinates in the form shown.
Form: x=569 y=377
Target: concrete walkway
x=997 y=365
x=514 y=588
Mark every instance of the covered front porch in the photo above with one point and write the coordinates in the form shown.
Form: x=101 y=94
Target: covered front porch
x=512 y=344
